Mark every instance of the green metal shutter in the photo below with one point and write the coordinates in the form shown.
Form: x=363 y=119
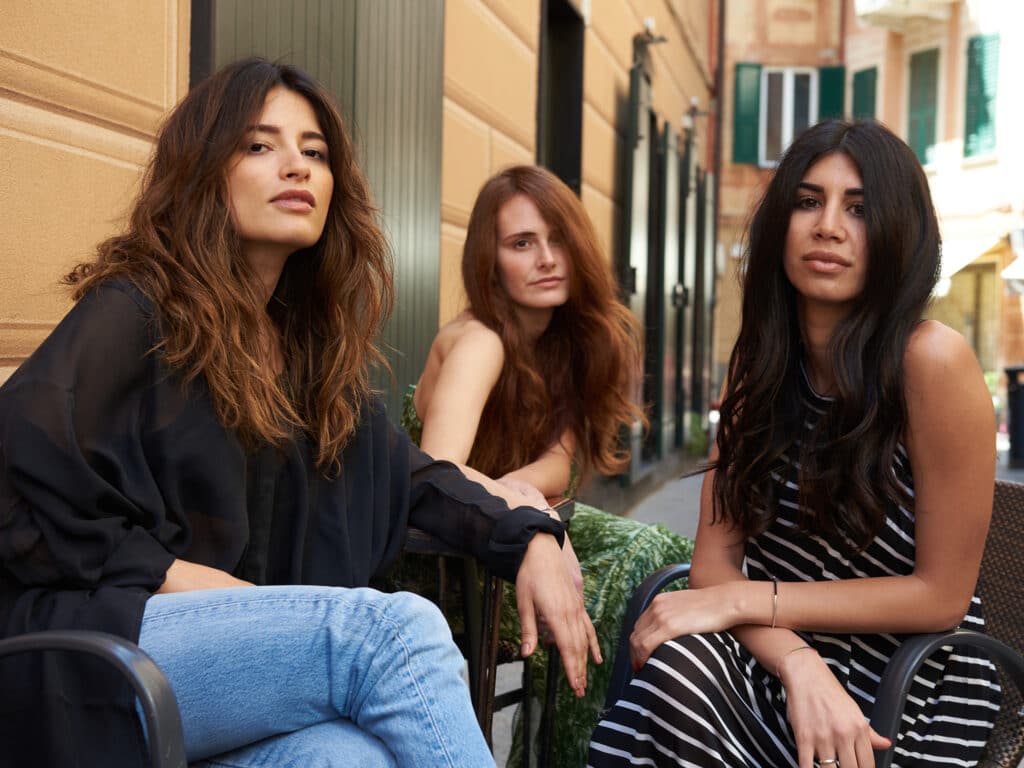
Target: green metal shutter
x=831 y=92
x=864 y=88
x=924 y=84
x=980 y=114
x=746 y=113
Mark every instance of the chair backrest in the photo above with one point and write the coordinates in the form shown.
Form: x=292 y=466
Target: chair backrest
x=1001 y=588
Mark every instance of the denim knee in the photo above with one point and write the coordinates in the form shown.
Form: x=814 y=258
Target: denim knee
x=414 y=610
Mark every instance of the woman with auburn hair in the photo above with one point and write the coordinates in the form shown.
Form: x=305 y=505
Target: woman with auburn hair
x=848 y=500
x=197 y=442
x=533 y=385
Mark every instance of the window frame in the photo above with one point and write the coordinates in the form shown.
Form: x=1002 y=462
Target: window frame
x=788 y=81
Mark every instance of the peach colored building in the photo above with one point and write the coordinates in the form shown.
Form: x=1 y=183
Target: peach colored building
x=940 y=74
x=616 y=96
x=947 y=74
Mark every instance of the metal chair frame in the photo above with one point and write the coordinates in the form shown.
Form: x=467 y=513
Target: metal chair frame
x=166 y=743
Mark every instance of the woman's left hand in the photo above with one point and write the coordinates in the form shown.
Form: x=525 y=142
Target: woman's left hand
x=686 y=612
x=545 y=591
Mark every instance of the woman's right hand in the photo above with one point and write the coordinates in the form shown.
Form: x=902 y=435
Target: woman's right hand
x=826 y=721
x=184 y=576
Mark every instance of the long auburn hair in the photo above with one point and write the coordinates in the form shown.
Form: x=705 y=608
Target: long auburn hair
x=182 y=250
x=846 y=474
x=580 y=374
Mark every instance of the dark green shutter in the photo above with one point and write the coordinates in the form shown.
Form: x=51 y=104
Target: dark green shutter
x=746 y=113
x=831 y=92
x=980 y=114
x=864 y=87
x=924 y=83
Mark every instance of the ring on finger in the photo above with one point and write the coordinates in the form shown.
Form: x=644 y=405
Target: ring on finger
x=830 y=761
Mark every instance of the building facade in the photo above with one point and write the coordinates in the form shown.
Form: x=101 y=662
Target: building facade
x=940 y=74
x=615 y=96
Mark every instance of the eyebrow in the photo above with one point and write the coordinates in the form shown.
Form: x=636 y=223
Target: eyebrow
x=264 y=128
x=523 y=233
x=851 y=192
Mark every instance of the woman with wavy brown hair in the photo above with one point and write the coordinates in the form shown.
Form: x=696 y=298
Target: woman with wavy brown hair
x=196 y=444
x=848 y=499
x=534 y=384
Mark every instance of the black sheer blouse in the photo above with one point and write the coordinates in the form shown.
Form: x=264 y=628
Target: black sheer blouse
x=110 y=469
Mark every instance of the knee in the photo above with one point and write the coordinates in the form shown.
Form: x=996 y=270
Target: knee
x=420 y=614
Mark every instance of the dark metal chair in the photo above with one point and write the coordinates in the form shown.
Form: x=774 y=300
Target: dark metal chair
x=159 y=707
x=1001 y=588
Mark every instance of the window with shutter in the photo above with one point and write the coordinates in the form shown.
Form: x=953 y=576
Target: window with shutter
x=924 y=78
x=980 y=112
x=864 y=84
x=789 y=105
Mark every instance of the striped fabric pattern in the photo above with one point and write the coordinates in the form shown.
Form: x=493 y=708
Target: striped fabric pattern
x=703 y=700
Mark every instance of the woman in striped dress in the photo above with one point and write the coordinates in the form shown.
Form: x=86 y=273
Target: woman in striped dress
x=848 y=498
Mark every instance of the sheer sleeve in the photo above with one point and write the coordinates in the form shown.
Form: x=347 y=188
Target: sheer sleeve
x=444 y=503
x=78 y=506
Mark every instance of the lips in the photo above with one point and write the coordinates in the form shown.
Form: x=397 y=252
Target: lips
x=826 y=257
x=298 y=199
x=548 y=282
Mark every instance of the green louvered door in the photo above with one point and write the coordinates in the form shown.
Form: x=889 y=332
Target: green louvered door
x=980 y=111
x=924 y=93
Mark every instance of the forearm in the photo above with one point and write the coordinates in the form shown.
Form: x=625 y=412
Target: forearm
x=185 y=576
x=548 y=475
x=896 y=604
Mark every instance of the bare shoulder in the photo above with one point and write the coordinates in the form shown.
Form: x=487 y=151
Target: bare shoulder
x=935 y=349
x=469 y=335
x=942 y=374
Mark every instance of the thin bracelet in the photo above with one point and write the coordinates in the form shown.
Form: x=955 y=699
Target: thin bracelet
x=775 y=601
x=778 y=664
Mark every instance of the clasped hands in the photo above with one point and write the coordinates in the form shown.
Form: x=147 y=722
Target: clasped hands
x=827 y=723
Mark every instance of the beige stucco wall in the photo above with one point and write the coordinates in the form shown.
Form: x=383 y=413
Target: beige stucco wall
x=490 y=101
x=82 y=88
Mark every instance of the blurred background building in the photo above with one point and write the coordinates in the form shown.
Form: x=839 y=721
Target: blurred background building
x=665 y=116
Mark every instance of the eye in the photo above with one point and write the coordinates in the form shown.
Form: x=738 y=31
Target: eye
x=807 y=202
x=316 y=154
x=521 y=244
x=857 y=209
x=257 y=148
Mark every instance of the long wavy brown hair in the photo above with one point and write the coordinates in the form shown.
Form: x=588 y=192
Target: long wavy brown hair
x=846 y=465
x=581 y=373
x=182 y=250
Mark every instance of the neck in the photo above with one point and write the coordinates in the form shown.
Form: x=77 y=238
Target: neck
x=268 y=265
x=816 y=329
x=534 y=321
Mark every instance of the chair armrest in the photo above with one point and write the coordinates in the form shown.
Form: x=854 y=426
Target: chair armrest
x=156 y=697
x=622 y=669
x=891 y=696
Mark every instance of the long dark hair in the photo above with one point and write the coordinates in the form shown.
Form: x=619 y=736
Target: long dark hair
x=581 y=373
x=846 y=476
x=182 y=250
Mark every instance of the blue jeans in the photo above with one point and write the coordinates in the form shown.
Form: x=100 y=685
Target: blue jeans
x=314 y=676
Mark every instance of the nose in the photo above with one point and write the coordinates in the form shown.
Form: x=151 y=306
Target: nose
x=545 y=256
x=295 y=166
x=829 y=225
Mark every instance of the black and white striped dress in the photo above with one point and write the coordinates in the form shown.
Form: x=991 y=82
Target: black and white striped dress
x=703 y=700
